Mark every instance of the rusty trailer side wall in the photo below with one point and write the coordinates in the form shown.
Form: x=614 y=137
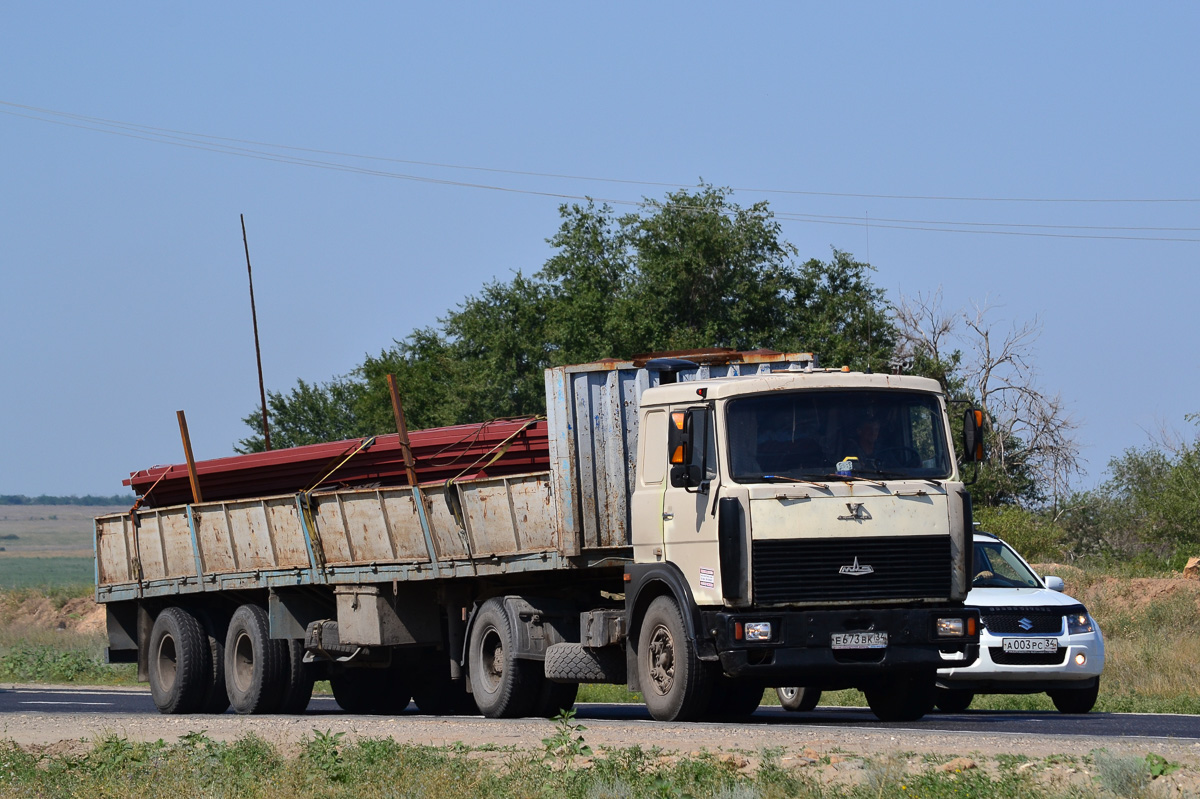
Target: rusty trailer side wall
x=484 y=526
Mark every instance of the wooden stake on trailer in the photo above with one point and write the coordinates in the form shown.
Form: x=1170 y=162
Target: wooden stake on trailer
x=191 y=462
x=262 y=391
x=410 y=464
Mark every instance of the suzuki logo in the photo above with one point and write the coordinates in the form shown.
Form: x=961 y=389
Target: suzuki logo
x=856 y=569
x=857 y=513
x=1025 y=624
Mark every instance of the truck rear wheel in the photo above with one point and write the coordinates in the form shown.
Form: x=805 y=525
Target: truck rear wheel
x=180 y=662
x=672 y=678
x=797 y=699
x=904 y=698
x=216 y=698
x=504 y=686
x=256 y=666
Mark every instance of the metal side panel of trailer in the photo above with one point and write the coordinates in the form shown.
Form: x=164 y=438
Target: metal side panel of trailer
x=477 y=528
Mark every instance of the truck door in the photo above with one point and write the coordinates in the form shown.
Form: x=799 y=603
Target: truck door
x=689 y=526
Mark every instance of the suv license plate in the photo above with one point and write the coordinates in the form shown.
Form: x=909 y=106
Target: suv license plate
x=1048 y=645
x=859 y=640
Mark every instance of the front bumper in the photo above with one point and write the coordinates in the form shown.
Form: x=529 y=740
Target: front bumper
x=800 y=650
x=996 y=672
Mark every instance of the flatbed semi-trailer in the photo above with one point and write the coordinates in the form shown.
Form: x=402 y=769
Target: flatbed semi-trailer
x=706 y=528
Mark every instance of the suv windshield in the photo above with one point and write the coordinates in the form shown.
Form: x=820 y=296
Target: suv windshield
x=997 y=566
x=806 y=435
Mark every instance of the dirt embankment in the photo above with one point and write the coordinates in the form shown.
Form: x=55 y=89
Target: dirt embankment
x=28 y=611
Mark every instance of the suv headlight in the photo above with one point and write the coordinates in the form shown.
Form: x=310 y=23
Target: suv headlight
x=1080 y=623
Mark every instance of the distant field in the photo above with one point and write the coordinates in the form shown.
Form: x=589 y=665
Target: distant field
x=36 y=572
x=49 y=530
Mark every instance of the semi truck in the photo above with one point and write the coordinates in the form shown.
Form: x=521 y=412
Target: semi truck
x=710 y=525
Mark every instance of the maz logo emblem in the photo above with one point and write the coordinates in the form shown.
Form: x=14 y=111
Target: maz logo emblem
x=856 y=569
x=857 y=513
x=1025 y=624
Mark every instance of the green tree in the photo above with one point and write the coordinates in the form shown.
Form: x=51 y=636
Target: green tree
x=693 y=270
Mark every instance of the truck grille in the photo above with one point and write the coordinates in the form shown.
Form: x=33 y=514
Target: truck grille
x=815 y=570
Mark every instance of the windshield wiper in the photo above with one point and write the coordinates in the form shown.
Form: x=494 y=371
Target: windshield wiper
x=886 y=475
x=786 y=479
x=853 y=478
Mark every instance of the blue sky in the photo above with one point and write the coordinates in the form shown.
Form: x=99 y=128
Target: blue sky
x=124 y=296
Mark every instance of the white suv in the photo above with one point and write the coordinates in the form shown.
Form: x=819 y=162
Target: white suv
x=1034 y=637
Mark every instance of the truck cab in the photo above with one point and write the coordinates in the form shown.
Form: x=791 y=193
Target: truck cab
x=810 y=528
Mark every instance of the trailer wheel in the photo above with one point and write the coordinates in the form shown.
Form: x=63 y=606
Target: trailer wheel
x=504 y=686
x=904 y=698
x=798 y=700
x=180 y=662
x=216 y=698
x=298 y=687
x=255 y=664
x=673 y=679
x=382 y=692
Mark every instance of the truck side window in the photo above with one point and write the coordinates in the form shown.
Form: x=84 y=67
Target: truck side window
x=653 y=466
x=698 y=451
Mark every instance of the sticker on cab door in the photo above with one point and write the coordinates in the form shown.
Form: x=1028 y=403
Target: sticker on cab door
x=707 y=578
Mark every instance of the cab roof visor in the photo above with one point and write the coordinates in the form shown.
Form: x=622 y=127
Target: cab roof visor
x=669 y=368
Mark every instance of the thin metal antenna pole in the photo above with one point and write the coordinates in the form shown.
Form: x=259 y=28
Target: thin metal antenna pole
x=867 y=217
x=262 y=390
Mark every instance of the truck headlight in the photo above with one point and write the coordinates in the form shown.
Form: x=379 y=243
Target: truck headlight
x=1080 y=623
x=758 y=631
x=951 y=628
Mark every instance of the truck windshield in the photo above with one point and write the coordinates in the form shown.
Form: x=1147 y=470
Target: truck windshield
x=830 y=434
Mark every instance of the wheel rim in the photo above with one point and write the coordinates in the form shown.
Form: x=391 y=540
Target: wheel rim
x=167 y=663
x=491 y=652
x=788 y=694
x=243 y=663
x=662 y=660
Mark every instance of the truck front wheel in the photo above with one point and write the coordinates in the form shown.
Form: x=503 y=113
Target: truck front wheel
x=673 y=680
x=180 y=662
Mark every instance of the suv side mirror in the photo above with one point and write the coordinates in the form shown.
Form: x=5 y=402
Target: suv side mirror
x=973 y=451
x=1055 y=583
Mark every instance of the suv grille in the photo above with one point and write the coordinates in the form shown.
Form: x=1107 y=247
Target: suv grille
x=1007 y=621
x=810 y=570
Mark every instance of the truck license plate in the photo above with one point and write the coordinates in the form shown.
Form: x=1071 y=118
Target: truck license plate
x=859 y=640
x=1030 y=644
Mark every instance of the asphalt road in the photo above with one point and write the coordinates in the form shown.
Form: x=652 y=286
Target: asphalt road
x=1044 y=724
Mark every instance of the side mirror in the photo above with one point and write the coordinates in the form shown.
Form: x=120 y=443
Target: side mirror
x=973 y=436
x=1055 y=583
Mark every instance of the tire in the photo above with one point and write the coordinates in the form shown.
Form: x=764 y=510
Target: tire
x=577 y=663
x=216 y=698
x=504 y=686
x=180 y=662
x=256 y=665
x=674 y=682
x=949 y=700
x=382 y=692
x=904 y=698
x=733 y=700
x=1075 y=700
x=798 y=700
x=298 y=682
x=554 y=698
